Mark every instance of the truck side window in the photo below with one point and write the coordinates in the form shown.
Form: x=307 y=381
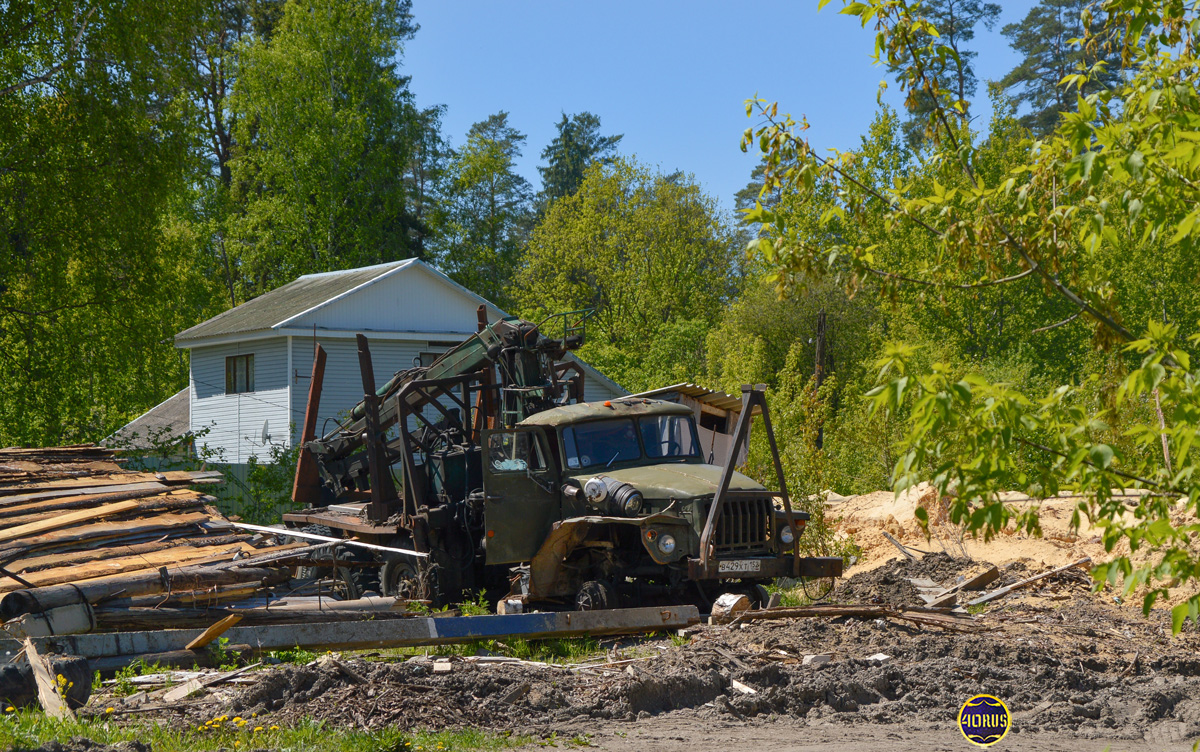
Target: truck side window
x=517 y=451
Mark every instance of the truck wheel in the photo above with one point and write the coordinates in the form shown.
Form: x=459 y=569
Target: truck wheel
x=357 y=581
x=760 y=597
x=400 y=579
x=596 y=595
x=310 y=572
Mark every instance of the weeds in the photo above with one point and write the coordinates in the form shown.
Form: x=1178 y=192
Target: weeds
x=125 y=686
x=296 y=655
x=31 y=729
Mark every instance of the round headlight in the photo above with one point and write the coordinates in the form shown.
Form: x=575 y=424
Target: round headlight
x=666 y=543
x=633 y=504
x=596 y=490
x=786 y=535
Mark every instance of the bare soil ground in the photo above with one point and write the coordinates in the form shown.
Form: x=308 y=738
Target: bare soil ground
x=1076 y=670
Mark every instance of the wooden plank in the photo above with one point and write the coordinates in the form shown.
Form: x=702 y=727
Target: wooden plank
x=153 y=505
x=987 y=597
x=194 y=685
x=78 y=501
x=48 y=695
x=899 y=546
x=175 y=477
x=102 y=531
x=59 y=521
x=983 y=579
x=103 y=567
x=155 y=487
x=37 y=563
x=213 y=632
x=385 y=632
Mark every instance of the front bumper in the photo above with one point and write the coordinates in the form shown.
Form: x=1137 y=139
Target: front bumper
x=764 y=567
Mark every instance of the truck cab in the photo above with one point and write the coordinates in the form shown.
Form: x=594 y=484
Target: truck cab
x=610 y=500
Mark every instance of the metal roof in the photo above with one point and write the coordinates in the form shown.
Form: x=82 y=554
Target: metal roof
x=276 y=307
x=623 y=407
x=169 y=419
x=695 y=391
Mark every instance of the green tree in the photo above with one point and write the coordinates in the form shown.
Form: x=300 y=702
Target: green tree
x=222 y=27
x=94 y=140
x=954 y=71
x=426 y=180
x=1047 y=38
x=576 y=147
x=325 y=132
x=488 y=210
x=646 y=251
x=1118 y=174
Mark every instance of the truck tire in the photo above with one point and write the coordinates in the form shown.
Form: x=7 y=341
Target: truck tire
x=596 y=595
x=356 y=581
x=308 y=571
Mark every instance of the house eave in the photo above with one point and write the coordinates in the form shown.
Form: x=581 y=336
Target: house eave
x=409 y=336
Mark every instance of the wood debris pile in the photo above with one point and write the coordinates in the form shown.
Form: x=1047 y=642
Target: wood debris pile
x=79 y=532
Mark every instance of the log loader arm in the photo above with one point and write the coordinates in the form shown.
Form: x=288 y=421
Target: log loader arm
x=503 y=373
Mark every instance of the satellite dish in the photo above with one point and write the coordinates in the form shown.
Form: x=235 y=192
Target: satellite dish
x=266 y=433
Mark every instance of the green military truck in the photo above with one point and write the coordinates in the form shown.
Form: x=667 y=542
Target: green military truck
x=485 y=473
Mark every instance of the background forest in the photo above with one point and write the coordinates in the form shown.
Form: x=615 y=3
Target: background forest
x=162 y=162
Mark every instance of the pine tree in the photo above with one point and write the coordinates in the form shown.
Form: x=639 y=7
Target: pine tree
x=488 y=211
x=954 y=75
x=1046 y=40
x=576 y=147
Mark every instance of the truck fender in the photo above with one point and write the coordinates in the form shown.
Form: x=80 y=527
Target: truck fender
x=547 y=578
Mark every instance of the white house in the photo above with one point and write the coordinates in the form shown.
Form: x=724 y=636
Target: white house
x=251 y=365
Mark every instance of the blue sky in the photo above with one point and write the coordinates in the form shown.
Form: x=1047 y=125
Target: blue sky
x=671 y=76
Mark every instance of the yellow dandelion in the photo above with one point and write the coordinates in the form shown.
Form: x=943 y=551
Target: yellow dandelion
x=9 y=709
x=254 y=715
x=109 y=710
x=237 y=743
x=257 y=729
x=274 y=728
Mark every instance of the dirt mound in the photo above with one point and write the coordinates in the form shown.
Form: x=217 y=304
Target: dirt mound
x=890 y=583
x=1081 y=668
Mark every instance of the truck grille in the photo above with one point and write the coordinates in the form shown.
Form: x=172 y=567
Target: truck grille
x=744 y=525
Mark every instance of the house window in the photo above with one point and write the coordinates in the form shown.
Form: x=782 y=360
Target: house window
x=239 y=374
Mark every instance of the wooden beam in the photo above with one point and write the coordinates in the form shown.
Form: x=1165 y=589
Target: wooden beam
x=121 y=565
x=47 y=688
x=152 y=487
x=59 y=521
x=1001 y=592
x=213 y=632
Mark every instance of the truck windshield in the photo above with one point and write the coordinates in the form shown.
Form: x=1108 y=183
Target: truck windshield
x=605 y=442
x=669 y=436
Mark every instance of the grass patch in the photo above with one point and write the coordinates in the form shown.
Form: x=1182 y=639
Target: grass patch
x=297 y=655
x=31 y=728
x=125 y=686
x=791 y=597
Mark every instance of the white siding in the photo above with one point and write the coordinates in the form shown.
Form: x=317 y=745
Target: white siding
x=411 y=300
x=235 y=421
x=596 y=391
x=343 y=381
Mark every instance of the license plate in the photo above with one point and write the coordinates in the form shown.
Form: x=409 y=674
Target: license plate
x=739 y=565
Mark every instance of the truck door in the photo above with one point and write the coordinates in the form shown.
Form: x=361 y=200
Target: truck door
x=520 y=485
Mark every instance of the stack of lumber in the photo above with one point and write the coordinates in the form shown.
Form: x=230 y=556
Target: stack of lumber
x=75 y=527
